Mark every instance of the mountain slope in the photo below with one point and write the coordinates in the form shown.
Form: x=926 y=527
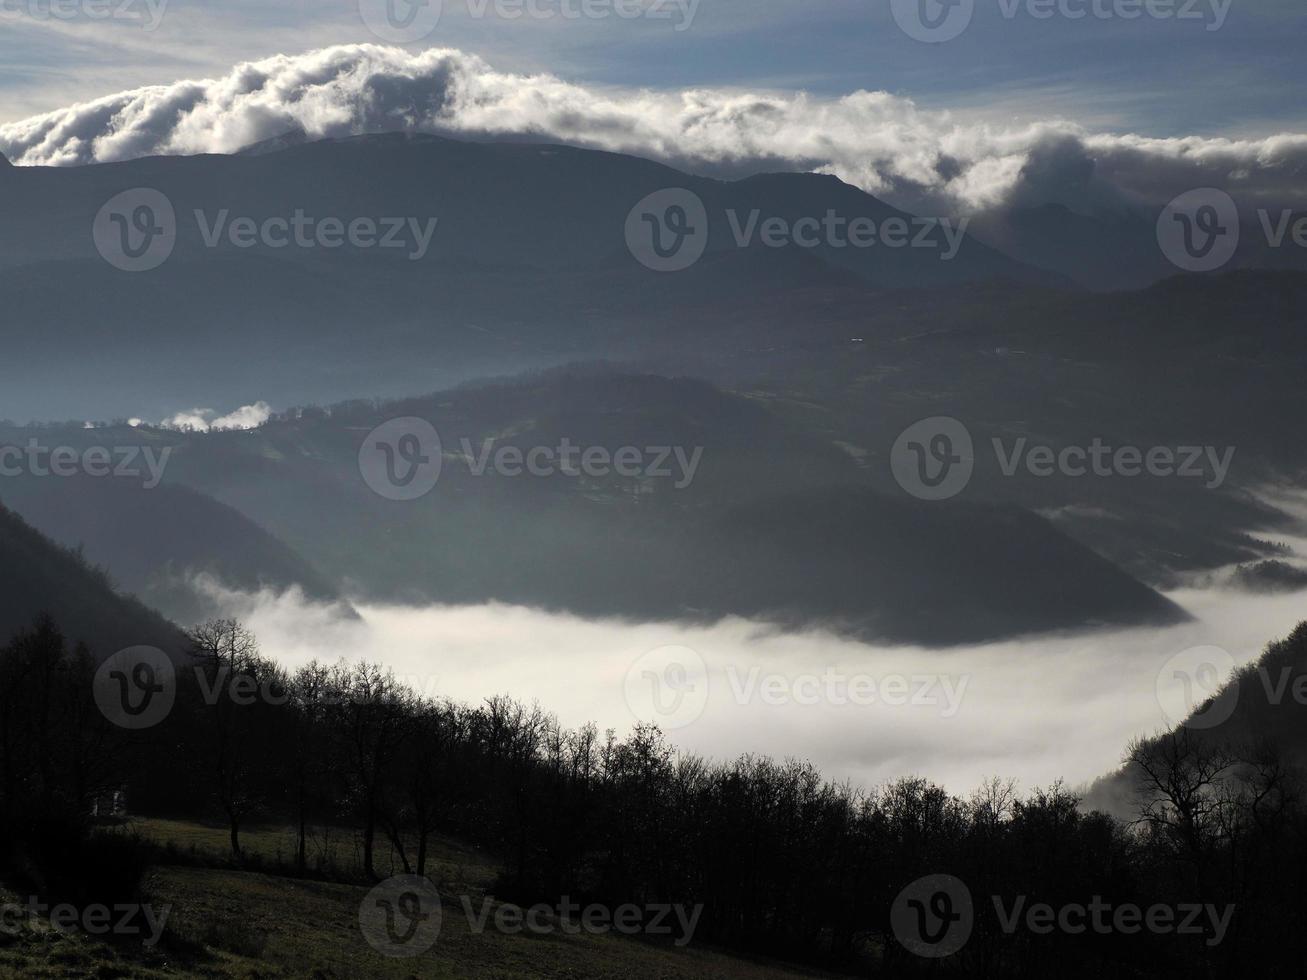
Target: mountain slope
x=772 y=522
x=152 y=542
x=528 y=265
x=1258 y=716
x=37 y=576
x=1118 y=250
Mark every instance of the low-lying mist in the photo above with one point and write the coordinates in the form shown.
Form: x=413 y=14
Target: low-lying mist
x=1035 y=709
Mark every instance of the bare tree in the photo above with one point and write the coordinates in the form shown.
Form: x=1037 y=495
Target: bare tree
x=377 y=717
x=227 y=657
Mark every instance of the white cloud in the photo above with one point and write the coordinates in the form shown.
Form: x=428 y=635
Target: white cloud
x=884 y=143
x=1036 y=709
x=245 y=417
x=202 y=419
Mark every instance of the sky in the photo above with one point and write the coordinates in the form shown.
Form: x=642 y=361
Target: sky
x=1154 y=67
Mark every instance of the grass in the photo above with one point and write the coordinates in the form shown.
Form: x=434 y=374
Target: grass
x=228 y=922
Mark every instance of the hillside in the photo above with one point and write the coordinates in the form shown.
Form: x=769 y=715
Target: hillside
x=227 y=922
x=37 y=576
x=526 y=266
x=755 y=517
x=1258 y=714
x=153 y=542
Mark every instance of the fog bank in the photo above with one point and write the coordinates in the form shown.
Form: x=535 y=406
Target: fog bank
x=1035 y=709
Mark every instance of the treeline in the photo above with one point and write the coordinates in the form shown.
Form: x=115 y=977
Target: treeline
x=59 y=756
x=782 y=861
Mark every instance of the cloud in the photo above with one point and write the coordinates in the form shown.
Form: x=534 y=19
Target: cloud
x=245 y=417
x=886 y=144
x=202 y=419
x=1036 y=709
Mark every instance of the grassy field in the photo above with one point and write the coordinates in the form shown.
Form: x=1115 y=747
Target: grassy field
x=226 y=922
